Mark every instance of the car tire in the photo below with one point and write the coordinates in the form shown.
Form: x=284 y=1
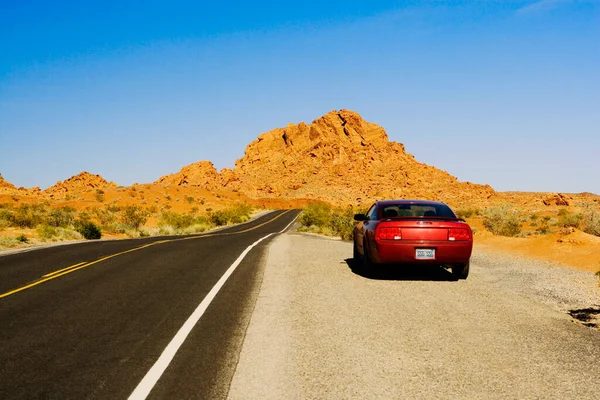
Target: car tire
x=461 y=271
x=355 y=253
x=367 y=264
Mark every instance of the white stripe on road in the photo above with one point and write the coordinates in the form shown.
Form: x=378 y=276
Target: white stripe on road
x=149 y=381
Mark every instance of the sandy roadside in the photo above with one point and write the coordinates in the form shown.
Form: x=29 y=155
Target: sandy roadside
x=319 y=330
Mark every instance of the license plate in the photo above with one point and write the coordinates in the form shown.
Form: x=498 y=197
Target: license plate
x=425 y=254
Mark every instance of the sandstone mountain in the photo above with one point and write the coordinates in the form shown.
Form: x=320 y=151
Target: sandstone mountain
x=339 y=158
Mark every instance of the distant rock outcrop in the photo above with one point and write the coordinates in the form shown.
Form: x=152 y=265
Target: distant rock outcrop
x=201 y=173
x=6 y=186
x=79 y=183
x=339 y=158
x=557 y=199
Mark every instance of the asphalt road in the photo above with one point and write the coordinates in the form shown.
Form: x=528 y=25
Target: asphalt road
x=96 y=330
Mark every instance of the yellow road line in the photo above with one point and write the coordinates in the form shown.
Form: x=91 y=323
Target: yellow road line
x=56 y=274
x=64 y=269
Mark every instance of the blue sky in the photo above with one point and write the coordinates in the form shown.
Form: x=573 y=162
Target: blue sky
x=498 y=92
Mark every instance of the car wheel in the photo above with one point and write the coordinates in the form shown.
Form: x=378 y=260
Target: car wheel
x=461 y=271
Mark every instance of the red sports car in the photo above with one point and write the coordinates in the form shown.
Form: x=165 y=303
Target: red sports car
x=413 y=232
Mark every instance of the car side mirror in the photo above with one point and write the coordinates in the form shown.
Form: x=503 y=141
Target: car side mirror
x=360 y=217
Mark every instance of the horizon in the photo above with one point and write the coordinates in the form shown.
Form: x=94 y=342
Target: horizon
x=498 y=93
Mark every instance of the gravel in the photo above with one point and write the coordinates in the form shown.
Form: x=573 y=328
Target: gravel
x=565 y=289
x=321 y=330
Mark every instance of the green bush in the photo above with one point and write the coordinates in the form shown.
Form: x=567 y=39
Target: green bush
x=133 y=217
x=544 y=226
x=467 y=212
x=61 y=217
x=107 y=218
x=219 y=218
x=321 y=218
x=6 y=218
x=175 y=220
x=100 y=195
x=316 y=215
x=22 y=239
x=342 y=223
x=590 y=220
x=234 y=215
x=46 y=232
x=502 y=220
x=28 y=215
x=88 y=230
x=568 y=219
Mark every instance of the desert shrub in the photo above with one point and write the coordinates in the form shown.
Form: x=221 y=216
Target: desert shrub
x=46 y=232
x=543 y=227
x=61 y=217
x=590 y=220
x=6 y=218
x=113 y=208
x=238 y=214
x=68 y=234
x=467 y=212
x=88 y=229
x=133 y=217
x=502 y=220
x=189 y=199
x=233 y=215
x=219 y=218
x=107 y=218
x=342 y=223
x=99 y=195
x=22 y=238
x=8 y=242
x=198 y=227
x=28 y=215
x=316 y=215
x=175 y=220
x=321 y=218
x=568 y=219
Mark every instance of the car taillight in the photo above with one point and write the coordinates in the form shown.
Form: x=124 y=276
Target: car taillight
x=458 y=234
x=390 y=233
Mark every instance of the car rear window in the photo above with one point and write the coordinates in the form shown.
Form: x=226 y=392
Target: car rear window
x=417 y=210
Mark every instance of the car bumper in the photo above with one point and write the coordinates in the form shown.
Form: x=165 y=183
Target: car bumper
x=389 y=252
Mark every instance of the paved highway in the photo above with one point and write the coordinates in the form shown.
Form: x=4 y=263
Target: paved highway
x=119 y=319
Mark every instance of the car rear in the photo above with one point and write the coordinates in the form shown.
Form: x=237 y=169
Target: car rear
x=423 y=240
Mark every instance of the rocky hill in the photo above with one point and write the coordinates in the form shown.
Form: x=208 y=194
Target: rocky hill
x=6 y=186
x=82 y=182
x=339 y=158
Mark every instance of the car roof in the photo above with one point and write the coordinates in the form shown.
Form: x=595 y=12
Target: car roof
x=384 y=203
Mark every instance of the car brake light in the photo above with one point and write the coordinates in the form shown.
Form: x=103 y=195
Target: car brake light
x=390 y=233
x=458 y=234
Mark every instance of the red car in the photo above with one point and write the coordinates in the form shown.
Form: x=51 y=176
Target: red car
x=413 y=232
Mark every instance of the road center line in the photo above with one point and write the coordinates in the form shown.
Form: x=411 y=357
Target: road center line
x=57 y=274
x=62 y=270
x=153 y=375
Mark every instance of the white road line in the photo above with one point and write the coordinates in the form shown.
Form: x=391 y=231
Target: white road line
x=153 y=375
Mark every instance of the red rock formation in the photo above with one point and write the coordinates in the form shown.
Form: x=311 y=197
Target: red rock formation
x=79 y=183
x=6 y=187
x=201 y=173
x=339 y=158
